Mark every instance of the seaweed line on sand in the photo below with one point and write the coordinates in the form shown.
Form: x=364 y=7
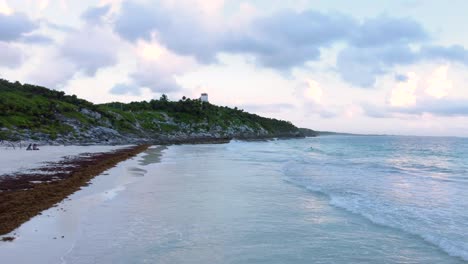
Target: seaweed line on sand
x=25 y=195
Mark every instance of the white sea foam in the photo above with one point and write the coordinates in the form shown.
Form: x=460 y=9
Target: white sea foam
x=422 y=196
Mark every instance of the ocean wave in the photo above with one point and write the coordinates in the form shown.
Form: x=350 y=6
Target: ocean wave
x=452 y=248
x=390 y=182
x=383 y=214
x=316 y=150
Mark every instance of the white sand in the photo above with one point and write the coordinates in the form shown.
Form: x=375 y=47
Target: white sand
x=40 y=239
x=15 y=160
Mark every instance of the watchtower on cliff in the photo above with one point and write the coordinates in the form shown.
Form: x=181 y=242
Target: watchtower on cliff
x=204 y=97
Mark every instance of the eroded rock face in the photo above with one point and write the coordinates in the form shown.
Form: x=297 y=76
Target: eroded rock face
x=90 y=113
x=56 y=118
x=106 y=135
x=102 y=130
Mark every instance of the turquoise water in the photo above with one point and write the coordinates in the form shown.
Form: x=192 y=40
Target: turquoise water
x=318 y=200
x=416 y=185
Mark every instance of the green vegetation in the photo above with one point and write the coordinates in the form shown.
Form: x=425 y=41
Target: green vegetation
x=28 y=111
x=308 y=132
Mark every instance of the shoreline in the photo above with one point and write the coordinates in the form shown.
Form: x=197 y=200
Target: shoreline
x=25 y=195
x=162 y=140
x=155 y=200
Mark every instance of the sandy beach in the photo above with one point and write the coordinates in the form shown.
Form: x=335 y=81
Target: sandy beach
x=27 y=192
x=17 y=159
x=49 y=236
x=242 y=202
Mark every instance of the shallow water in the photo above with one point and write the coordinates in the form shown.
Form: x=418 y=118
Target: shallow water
x=317 y=200
x=413 y=184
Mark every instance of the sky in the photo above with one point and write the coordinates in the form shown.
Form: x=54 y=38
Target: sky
x=378 y=67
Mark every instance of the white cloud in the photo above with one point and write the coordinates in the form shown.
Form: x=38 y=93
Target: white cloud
x=403 y=95
x=157 y=69
x=151 y=51
x=43 y=4
x=54 y=72
x=10 y=55
x=438 y=84
x=313 y=91
x=5 y=8
x=115 y=4
x=353 y=110
x=243 y=17
x=205 y=7
x=91 y=49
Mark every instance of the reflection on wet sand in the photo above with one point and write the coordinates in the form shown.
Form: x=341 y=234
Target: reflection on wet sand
x=152 y=155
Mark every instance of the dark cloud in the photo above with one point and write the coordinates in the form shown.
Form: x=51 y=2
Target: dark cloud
x=14 y=26
x=401 y=78
x=137 y=21
x=353 y=67
x=282 y=41
x=362 y=66
x=307 y=27
x=19 y=28
x=387 y=31
x=94 y=15
x=376 y=46
x=455 y=53
x=289 y=39
x=182 y=32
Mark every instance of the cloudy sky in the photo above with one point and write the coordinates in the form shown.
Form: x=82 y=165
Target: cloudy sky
x=365 y=66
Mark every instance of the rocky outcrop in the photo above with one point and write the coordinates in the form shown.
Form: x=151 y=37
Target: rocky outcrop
x=34 y=113
x=101 y=131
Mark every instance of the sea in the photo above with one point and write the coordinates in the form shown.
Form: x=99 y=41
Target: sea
x=330 y=199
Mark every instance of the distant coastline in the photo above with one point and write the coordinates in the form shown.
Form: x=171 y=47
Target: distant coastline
x=329 y=133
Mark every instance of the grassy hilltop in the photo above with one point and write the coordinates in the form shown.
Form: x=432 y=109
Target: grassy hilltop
x=29 y=112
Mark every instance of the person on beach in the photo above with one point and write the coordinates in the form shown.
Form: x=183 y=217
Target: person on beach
x=29 y=147
x=35 y=147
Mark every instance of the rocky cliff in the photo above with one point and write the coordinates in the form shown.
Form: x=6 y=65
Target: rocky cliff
x=34 y=113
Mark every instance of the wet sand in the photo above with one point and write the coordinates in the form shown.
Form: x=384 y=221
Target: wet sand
x=25 y=195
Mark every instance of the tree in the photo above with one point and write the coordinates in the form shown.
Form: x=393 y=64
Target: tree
x=164 y=98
